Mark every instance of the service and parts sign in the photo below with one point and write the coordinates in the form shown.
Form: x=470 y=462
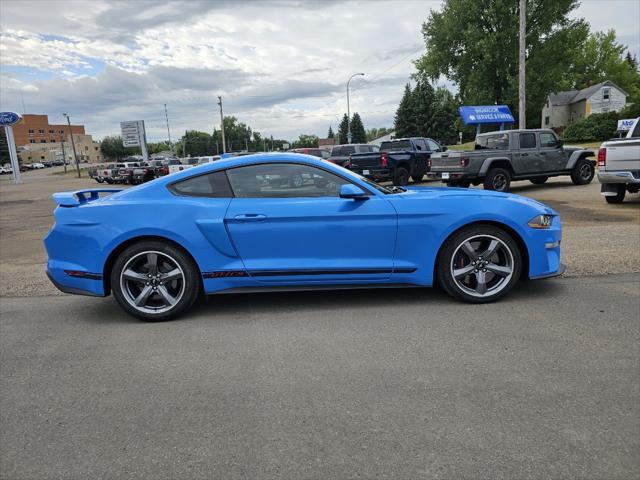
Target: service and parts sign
x=626 y=124
x=474 y=115
x=9 y=118
x=132 y=133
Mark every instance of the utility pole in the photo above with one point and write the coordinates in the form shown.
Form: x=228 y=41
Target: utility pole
x=522 y=100
x=64 y=154
x=224 y=145
x=168 y=131
x=73 y=144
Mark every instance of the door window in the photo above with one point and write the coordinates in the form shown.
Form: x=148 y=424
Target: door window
x=211 y=185
x=527 y=140
x=433 y=146
x=547 y=140
x=283 y=180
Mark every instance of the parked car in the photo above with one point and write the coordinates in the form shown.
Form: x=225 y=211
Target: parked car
x=37 y=166
x=398 y=160
x=503 y=156
x=223 y=228
x=124 y=172
x=25 y=167
x=315 y=152
x=340 y=153
x=619 y=165
x=5 y=170
x=112 y=172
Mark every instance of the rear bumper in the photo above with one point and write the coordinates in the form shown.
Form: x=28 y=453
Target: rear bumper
x=372 y=173
x=453 y=176
x=618 y=177
x=77 y=286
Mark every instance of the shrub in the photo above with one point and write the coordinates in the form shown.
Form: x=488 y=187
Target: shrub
x=596 y=127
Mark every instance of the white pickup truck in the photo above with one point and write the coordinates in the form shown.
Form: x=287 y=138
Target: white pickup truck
x=619 y=165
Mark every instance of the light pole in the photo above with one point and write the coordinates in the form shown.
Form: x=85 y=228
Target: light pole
x=73 y=144
x=348 y=111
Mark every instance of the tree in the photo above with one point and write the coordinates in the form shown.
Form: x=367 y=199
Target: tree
x=374 y=133
x=309 y=141
x=112 y=148
x=602 y=58
x=475 y=44
x=404 y=122
x=358 y=133
x=422 y=108
x=195 y=144
x=4 y=148
x=330 y=133
x=342 y=130
x=445 y=114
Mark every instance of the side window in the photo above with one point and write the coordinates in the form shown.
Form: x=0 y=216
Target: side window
x=527 y=140
x=336 y=151
x=212 y=185
x=283 y=180
x=636 y=130
x=348 y=150
x=547 y=140
x=365 y=149
x=433 y=146
x=420 y=145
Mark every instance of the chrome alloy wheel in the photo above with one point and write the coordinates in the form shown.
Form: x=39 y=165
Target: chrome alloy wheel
x=482 y=265
x=152 y=282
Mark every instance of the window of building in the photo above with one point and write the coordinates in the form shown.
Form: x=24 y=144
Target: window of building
x=546 y=120
x=41 y=157
x=52 y=131
x=527 y=140
x=40 y=131
x=30 y=130
x=284 y=180
x=606 y=93
x=61 y=131
x=32 y=141
x=43 y=141
x=212 y=185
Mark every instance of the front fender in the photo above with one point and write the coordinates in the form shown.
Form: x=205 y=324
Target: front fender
x=577 y=155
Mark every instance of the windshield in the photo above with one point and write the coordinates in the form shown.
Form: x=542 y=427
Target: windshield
x=395 y=145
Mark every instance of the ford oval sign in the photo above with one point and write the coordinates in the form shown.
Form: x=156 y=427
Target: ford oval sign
x=8 y=118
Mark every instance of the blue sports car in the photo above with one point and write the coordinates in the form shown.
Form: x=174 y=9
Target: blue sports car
x=289 y=221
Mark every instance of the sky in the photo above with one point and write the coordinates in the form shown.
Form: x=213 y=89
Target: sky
x=281 y=66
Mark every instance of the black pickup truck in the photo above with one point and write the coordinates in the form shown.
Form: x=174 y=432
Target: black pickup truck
x=398 y=160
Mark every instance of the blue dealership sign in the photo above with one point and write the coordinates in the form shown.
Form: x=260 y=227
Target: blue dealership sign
x=8 y=118
x=477 y=115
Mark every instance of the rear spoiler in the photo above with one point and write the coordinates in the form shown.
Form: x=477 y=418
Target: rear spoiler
x=80 y=197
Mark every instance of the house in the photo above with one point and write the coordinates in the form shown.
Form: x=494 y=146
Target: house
x=385 y=138
x=564 y=107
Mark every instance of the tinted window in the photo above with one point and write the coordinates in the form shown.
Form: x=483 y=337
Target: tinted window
x=365 y=149
x=209 y=185
x=492 y=142
x=336 y=151
x=420 y=145
x=527 y=140
x=395 y=145
x=283 y=180
x=547 y=140
x=348 y=150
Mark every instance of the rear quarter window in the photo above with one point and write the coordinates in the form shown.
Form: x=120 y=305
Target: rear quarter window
x=210 y=185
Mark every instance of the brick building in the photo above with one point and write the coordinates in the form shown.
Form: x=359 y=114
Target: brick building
x=35 y=129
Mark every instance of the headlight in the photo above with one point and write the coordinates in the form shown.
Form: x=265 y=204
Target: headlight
x=541 y=221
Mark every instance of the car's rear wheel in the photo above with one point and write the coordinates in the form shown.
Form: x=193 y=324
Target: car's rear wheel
x=155 y=281
x=401 y=176
x=539 y=180
x=582 y=172
x=619 y=196
x=479 y=264
x=497 y=179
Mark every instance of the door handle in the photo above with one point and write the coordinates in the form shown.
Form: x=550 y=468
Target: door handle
x=250 y=217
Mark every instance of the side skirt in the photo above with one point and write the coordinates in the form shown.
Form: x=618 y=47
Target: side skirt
x=305 y=288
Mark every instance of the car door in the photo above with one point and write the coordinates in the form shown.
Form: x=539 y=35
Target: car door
x=527 y=159
x=288 y=223
x=553 y=157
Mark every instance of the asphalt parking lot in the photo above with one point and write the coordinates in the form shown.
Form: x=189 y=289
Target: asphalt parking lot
x=361 y=384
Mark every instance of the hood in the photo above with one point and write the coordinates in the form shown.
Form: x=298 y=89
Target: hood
x=477 y=194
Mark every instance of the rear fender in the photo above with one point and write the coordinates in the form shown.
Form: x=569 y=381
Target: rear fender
x=486 y=165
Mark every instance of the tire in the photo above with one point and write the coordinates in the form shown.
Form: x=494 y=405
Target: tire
x=459 y=184
x=453 y=257
x=417 y=178
x=401 y=176
x=165 y=296
x=619 y=197
x=109 y=181
x=583 y=172
x=99 y=180
x=538 y=180
x=497 y=179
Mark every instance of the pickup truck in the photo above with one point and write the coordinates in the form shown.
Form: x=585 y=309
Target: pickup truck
x=113 y=172
x=503 y=156
x=398 y=160
x=619 y=165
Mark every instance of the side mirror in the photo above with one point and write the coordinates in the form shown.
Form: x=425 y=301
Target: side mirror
x=444 y=148
x=559 y=143
x=352 y=191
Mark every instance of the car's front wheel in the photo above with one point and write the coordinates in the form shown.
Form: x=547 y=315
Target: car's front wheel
x=155 y=281
x=582 y=172
x=401 y=176
x=497 y=179
x=479 y=264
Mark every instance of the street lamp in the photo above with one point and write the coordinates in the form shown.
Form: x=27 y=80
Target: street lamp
x=348 y=111
x=73 y=144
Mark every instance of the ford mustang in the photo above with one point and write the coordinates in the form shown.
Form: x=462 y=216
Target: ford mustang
x=290 y=221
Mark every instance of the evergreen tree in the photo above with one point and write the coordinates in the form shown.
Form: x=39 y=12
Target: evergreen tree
x=422 y=107
x=330 y=134
x=342 y=130
x=404 y=126
x=358 y=133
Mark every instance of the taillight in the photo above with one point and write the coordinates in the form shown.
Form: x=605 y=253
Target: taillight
x=464 y=161
x=384 y=159
x=145 y=171
x=602 y=157
x=429 y=163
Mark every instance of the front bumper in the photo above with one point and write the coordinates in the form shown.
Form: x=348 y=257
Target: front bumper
x=618 y=177
x=557 y=273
